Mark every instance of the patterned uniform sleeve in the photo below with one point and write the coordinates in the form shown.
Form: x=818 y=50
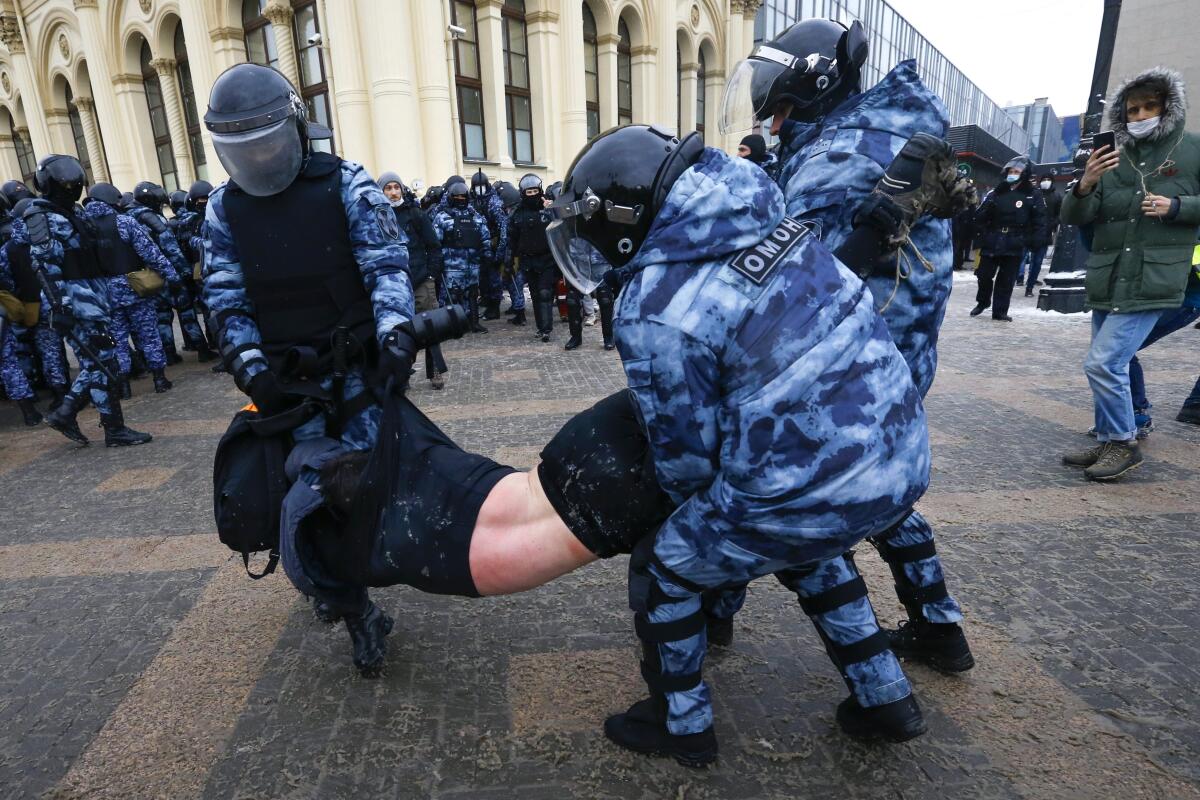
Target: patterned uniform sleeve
x=144 y=246
x=227 y=300
x=170 y=247
x=84 y=299
x=439 y=225
x=6 y=278
x=514 y=233
x=382 y=254
x=502 y=224
x=486 y=233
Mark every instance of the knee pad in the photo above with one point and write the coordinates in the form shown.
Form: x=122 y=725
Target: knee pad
x=604 y=295
x=546 y=295
x=574 y=299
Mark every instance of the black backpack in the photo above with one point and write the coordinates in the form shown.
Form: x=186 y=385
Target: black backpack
x=249 y=485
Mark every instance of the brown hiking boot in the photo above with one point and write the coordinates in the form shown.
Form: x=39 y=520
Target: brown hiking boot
x=1118 y=459
x=1085 y=458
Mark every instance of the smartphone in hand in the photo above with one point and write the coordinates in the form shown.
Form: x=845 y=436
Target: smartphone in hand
x=1105 y=138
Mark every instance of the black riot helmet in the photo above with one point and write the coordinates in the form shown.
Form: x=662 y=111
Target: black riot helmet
x=60 y=179
x=150 y=195
x=458 y=194
x=510 y=195
x=552 y=190
x=105 y=193
x=15 y=192
x=127 y=201
x=610 y=197
x=260 y=128
x=1022 y=163
x=814 y=65
x=432 y=196
x=453 y=179
x=21 y=206
x=197 y=196
x=479 y=184
x=176 y=200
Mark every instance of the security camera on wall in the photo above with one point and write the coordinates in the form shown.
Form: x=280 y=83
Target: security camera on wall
x=456 y=31
x=315 y=39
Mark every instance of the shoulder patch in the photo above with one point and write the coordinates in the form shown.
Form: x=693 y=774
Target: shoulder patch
x=759 y=261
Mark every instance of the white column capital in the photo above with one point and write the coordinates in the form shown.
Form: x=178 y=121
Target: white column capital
x=163 y=66
x=278 y=13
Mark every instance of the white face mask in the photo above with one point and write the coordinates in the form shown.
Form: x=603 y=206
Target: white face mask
x=1143 y=128
x=1045 y=185
x=399 y=201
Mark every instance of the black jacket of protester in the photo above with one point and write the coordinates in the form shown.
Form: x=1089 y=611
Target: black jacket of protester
x=424 y=249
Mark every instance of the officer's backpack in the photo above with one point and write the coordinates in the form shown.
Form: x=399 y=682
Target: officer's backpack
x=249 y=485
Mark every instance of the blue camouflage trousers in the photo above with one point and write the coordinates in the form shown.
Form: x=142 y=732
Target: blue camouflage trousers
x=460 y=281
x=91 y=380
x=16 y=385
x=177 y=298
x=49 y=347
x=666 y=597
x=138 y=321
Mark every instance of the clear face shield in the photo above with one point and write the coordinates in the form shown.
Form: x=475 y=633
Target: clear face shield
x=580 y=262
x=748 y=92
x=263 y=161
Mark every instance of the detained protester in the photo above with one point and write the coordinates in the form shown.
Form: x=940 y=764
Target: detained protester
x=1011 y=221
x=308 y=315
x=836 y=141
x=1140 y=264
x=780 y=305
x=424 y=262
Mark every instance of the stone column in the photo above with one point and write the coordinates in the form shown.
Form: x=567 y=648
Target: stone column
x=169 y=81
x=544 y=78
x=434 y=94
x=8 y=156
x=279 y=14
x=343 y=52
x=491 y=67
x=62 y=138
x=644 y=57
x=120 y=141
x=687 y=97
x=388 y=39
x=21 y=134
x=606 y=49
x=749 y=12
x=569 y=70
x=35 y=115
x=91 y=136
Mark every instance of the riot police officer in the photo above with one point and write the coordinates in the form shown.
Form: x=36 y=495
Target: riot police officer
x=487 y=202
x=305 y=310
x=527 y=244
x=466 y=244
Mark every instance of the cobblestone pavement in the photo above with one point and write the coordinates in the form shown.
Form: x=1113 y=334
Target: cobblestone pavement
x=138 y=661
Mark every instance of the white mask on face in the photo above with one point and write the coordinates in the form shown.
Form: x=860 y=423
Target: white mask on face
x=1143 y=128
x=399 y=201
x=1045 y=185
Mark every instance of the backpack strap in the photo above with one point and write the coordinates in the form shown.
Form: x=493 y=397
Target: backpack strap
x=272 y=562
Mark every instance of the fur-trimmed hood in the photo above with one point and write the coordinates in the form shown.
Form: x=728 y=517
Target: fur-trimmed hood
x=1165 y=80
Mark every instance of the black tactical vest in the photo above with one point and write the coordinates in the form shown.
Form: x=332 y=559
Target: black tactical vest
x=532 y=240
x=298 y=262
x=117 y=256
x=463 y=233
x=82 y=262
x=27 y=286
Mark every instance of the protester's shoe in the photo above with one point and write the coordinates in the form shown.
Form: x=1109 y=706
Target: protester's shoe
x=1189 y=414
x=368 y=634
x=1117 y=460
x=1005 y=318
x=573 y=343
x=719 y=631
x=518 y=317
x=643 y=729
x=161 y=384
x=589 y=320
x=545 y=336
x=942 y=646
x=324 y=612
x=438 y=381
x=977 y=310
x=117 y=435
x=1085 y=458
x=62 y=418
x=897 y=721
x=29 y=411
x=1145 y=425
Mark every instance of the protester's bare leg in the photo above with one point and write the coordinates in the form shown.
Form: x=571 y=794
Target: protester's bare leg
x=520 y=542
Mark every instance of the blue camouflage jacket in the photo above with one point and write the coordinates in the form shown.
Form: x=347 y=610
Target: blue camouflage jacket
x=829 y=167
x=779 y=412
x=186 y=229
x=86 y=299
x=120 y=295
x=457 y=258
x=491 y=208
x=383 y=262
x=165 y=239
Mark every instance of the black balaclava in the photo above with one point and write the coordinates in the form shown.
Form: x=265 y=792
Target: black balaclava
x=758 y=147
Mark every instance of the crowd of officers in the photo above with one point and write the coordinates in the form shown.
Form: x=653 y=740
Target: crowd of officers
x=469 y=245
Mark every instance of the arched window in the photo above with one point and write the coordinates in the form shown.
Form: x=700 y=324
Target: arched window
x=81 y=151
x=700 y=93
x=591 y=71
x=467 y=80
x=158 y=122
x=517 y=99
x=258 y=34
x=624 y=76
x=311 y=58
x=188 y=95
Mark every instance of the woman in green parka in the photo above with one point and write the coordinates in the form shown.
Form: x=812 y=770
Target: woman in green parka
x=1143 y=202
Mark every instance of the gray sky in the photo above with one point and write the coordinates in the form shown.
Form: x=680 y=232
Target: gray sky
x=998 y=45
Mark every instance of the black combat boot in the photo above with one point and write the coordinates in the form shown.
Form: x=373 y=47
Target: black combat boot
x=57 y=393
x=205 y=353
x=324 y=612
x=574 y=323
x=719 y=630
x=643 y=729
x=897 y=721
x=518 y=317
x=172 y=355
x=115 y=432
x=473 y=313
x=62 y=418
x=942 y=646
x=125 y=390
x=368 y=634
x=604 y=300
x=161 y=384
x=29 y=411
x=491 y=310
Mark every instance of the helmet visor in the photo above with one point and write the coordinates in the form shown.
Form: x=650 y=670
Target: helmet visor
x=580 y=262
x=263 y=161
x=748 y=94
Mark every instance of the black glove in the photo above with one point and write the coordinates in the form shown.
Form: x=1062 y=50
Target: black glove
x=268 y=395
x=63 y=322
x=396 y=356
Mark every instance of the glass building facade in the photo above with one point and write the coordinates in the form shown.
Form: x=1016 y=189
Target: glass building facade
x=893 y=40
x=1045 y=131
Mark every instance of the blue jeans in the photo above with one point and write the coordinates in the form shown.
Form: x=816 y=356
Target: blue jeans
x=1168 y=323
x=1035 y=257
x=1116 y=338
